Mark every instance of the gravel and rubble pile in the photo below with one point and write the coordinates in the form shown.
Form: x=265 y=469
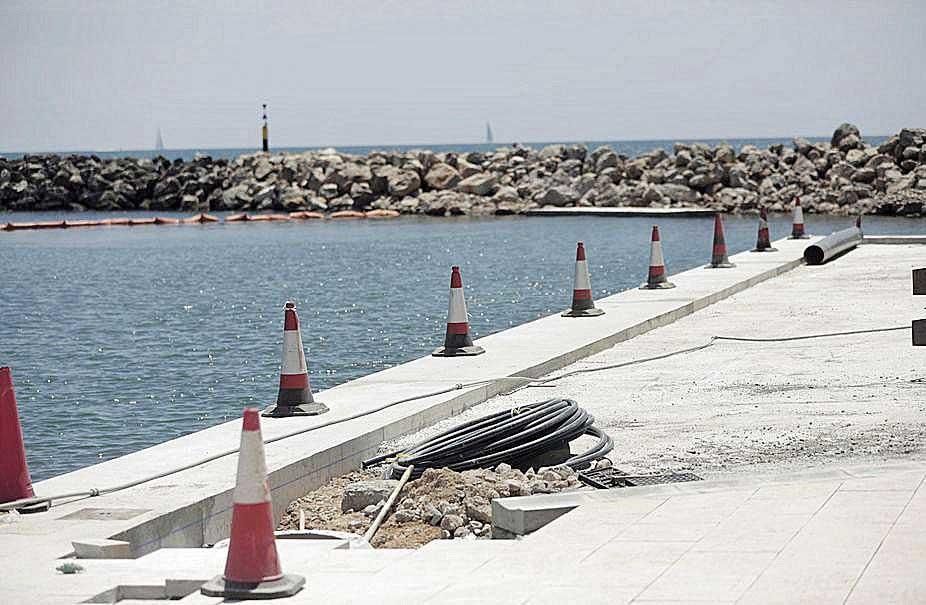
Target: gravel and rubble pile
x=440 y=504
x=461 y=503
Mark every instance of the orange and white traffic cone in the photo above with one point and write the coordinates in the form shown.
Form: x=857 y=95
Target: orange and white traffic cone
x=719 y=259
x=582 y=303
x=252 y=567
x=457 y=341
x=763 y=241
x=295 y=395
x=656 y=279
x=797 y=221
x=15 y=482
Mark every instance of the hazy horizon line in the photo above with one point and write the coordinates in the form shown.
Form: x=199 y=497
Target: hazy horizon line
x=425 y=146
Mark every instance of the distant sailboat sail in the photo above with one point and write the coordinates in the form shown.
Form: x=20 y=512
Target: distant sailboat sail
x=159 y=142
x=489 y=137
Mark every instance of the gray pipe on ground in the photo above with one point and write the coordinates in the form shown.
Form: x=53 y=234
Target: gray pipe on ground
x=384 y=511
x=832 y=245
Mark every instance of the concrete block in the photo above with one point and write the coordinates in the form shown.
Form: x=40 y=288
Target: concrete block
x=919 y=282
x=919 y=332
x=99 y=548
x=520 y=516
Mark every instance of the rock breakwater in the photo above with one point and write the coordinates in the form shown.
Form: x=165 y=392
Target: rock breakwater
x=845 y=176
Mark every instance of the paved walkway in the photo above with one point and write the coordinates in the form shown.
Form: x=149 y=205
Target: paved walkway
x=767 y=407
x=856 y=536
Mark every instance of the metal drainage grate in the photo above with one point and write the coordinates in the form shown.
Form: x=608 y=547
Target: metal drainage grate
x=607 y=478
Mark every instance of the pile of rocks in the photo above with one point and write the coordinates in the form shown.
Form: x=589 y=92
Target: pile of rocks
x=460 y=504
x=845 y=176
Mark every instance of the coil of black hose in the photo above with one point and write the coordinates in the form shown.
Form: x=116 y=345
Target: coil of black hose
x=506 y=436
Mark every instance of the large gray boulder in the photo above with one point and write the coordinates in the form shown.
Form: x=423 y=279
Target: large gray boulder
x=292 y=198
x=442 y=176
x=731 y=198
x=842 y=131
x=478 y=184
x=262 y=170
x=466 y=169
x=552 y=152
x=679 y=194
x=724 y=154
x=803 y=165
x=801 y=145
x=561 y=195
x=236 y=197
x=329 y=191
x=403 y=183
x=607 y=159
x=356 y=173
x=608 y=194
x=850 y=142
x=361 y=194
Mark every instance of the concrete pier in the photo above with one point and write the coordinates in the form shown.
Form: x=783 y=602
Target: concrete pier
x=704 y=401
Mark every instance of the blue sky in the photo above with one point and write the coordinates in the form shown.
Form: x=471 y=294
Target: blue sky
x=106 y=75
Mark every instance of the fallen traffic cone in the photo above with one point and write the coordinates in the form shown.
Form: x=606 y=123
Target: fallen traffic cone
x=457 y=342
x=797 y=221
x=252 y=567
x=582 y=303
x=295 y=394
x=656 y=279
x=719 y=258
x=15 y=483
x=763 y=243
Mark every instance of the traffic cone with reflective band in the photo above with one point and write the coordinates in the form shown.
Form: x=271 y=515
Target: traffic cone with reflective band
x=797 y=221
x=763 y=242
x=719 y=259
x=457 y=342
x=295 y=395
x=656 y=279
x=582 y=303
x=15 y=483
x=252 y=567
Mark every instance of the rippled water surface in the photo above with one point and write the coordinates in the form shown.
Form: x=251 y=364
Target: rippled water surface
x=121 y=338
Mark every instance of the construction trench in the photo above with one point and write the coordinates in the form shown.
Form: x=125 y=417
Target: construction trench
x=691 y=397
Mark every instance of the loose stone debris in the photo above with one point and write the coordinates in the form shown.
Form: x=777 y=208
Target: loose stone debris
x=441 y=504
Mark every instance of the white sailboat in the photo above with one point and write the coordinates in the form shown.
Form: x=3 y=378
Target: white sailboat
x=489 y=137
x=159 y=142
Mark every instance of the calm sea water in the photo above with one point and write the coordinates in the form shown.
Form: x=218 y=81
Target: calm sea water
x=122 y=338
x=628 y=148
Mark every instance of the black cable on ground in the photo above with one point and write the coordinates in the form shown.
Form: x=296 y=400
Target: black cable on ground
x=506 y=436
x=709 y=343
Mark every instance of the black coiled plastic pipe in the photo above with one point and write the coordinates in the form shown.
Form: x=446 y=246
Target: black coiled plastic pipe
x=507 y=436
